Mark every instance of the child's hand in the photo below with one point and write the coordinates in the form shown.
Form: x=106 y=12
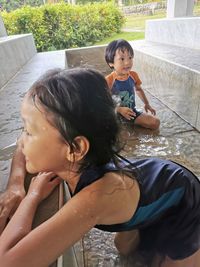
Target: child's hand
x=126 y=112
x=148 y=107
x=42 y=185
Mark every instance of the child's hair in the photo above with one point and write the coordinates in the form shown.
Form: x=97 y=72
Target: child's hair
x=112 y=48
x=78 y=103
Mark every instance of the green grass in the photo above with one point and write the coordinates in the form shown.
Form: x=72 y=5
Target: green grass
x=129 y=36
x=197 y=9
x=137 y=22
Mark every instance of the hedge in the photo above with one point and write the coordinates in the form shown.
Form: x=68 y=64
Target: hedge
x=62 y=26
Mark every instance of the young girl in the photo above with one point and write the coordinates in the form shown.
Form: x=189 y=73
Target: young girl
x=124 y=83
x=71 y=134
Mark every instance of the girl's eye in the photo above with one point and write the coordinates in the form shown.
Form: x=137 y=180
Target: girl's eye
x=122 y=59
x=130 y=57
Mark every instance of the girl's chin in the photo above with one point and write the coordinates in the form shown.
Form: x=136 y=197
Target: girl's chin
x=30 y=169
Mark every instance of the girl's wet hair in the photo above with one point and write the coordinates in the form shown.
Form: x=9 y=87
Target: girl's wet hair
x=78 y=103
x=112 y=47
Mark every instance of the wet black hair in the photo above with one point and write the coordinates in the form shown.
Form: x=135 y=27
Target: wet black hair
x=79 y=104
x=112 y=48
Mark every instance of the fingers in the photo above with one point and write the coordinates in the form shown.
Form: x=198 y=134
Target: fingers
x=44 y=181
x=3 y=222
x=129 y=114
x=47 y=176
x=56 y=181
x=153 y=112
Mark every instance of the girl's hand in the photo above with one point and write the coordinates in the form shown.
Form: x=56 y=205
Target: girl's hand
x=42 y=185
x=9 y=201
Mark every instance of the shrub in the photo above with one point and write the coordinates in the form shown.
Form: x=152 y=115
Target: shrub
x=62 y=26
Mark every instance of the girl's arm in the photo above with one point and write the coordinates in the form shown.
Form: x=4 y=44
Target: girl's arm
x=21 y=247
x=11 y=198
x=144 y=99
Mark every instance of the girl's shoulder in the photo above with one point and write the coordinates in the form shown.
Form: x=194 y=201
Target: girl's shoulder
x=106 y=195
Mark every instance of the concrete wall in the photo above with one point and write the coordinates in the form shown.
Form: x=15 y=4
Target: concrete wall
x=180 y=8
x=87 y=57
x=175 y=85
x=2 y=28
x=178 y=31
x=15 y=51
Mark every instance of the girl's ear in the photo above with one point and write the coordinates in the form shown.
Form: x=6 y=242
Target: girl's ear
x=81 y=146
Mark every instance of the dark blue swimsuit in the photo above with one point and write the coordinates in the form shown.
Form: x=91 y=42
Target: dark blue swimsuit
x=168 y=212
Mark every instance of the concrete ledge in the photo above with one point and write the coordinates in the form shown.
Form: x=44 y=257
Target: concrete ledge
x=87 y=57
x=15 y=51
x=169 y=78
x=177 y=31
x=72 y=257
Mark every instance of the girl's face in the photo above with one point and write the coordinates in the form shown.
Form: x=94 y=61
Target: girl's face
x=43 y=147
x=123 y=62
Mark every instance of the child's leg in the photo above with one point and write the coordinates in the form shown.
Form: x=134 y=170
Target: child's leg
x=192 y=261
x=147 y=121
x=127 y=242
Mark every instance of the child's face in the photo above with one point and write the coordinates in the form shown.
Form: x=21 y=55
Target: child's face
x=43 y=147
x=123 y=62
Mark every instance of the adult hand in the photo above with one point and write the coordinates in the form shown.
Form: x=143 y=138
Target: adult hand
x=42 y=185
x=126 y=112
x=147 y=108
x=9 y=202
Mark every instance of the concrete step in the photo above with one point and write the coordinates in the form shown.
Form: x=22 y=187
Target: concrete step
x=172 y=74
x=15 y=52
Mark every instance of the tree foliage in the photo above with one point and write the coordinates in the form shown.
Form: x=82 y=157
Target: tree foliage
x=10 y=5
x=62 y=26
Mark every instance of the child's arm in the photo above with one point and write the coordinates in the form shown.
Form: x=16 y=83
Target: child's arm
x=126 y=112
x=21 y=247
x=144 y=99
x=11 y=198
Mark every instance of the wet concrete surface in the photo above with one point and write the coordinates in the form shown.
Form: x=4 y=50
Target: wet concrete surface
x=176 y=140
x=10 y=101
